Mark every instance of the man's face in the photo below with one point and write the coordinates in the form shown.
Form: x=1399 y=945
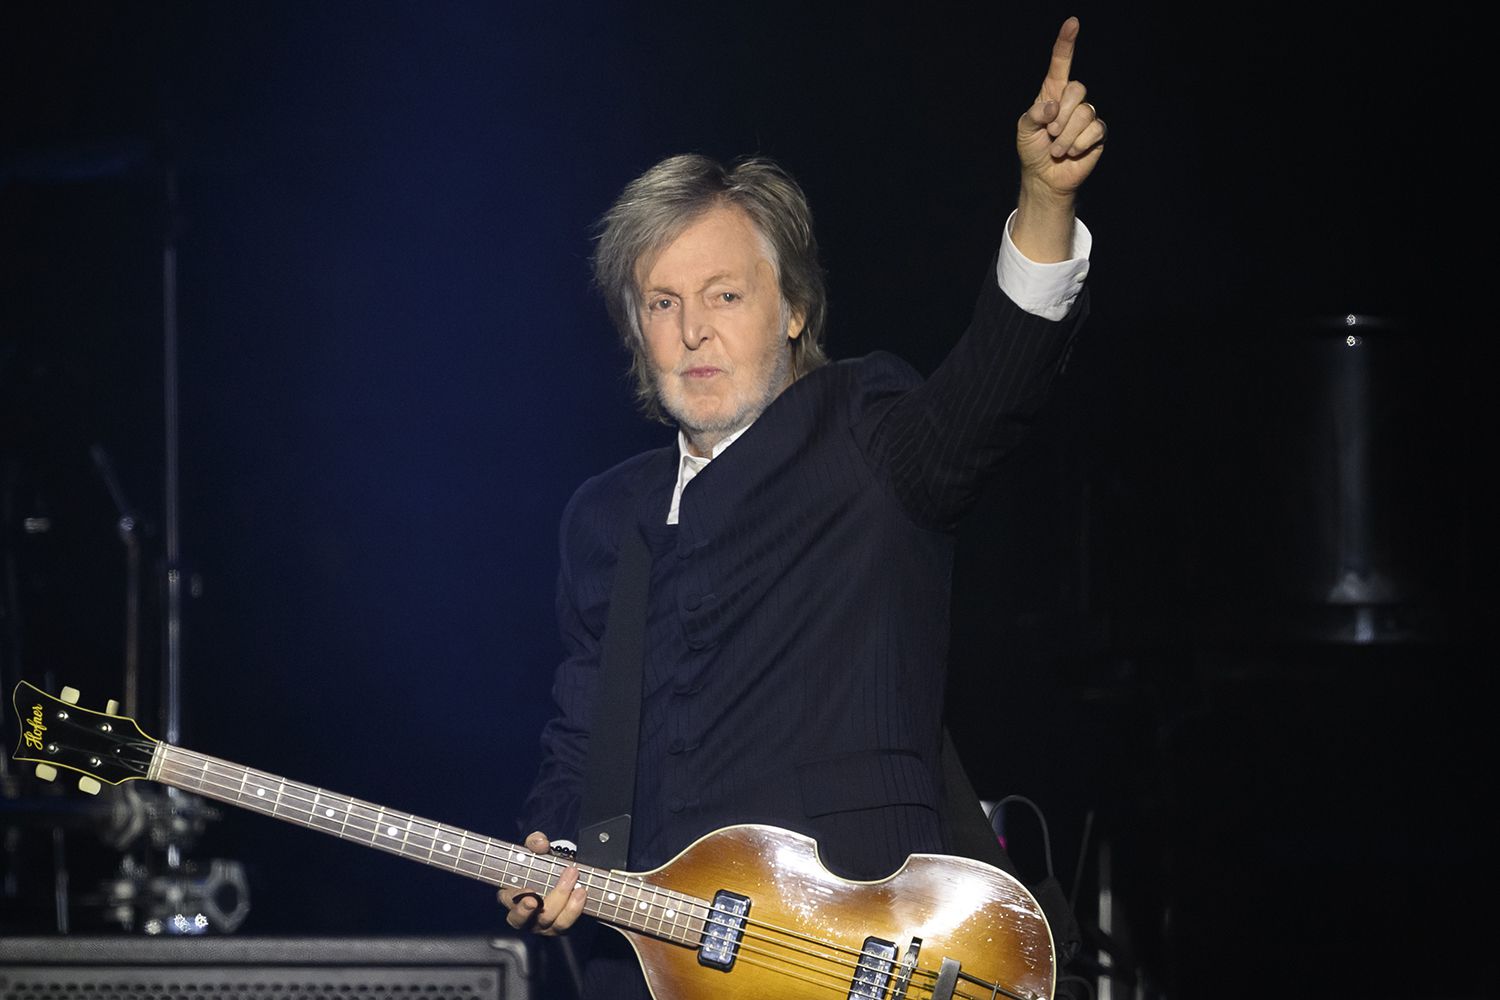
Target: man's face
x=711 y=318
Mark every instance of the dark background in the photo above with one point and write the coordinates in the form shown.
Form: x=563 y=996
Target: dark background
x=393 y=374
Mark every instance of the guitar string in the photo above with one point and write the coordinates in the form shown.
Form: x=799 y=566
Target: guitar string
x=843 y=981
x=195 y=775
x=189 y=776
x=709 y=914
x=507 y=862
x=200 y=777
x=514 y=864
x=507 y=858
x=842 y=987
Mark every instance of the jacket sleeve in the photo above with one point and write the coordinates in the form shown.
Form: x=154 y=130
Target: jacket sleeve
x=938 y=443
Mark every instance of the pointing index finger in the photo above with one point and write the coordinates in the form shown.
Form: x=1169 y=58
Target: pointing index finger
x=1061 y=65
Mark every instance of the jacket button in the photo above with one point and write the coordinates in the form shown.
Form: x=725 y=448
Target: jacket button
x=676 y=805
x=692 y=602
x=675 y=746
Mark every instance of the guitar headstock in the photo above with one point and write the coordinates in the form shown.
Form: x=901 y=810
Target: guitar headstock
x=56 y=733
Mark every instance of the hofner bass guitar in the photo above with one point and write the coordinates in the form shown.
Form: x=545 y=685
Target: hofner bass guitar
x=745 y=912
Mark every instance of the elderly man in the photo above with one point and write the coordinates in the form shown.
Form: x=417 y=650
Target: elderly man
x=800 y=530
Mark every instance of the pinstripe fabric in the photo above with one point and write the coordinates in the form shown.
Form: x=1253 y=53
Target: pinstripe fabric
x=798 y=623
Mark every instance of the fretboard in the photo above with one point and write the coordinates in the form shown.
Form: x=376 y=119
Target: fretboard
x=616 y=898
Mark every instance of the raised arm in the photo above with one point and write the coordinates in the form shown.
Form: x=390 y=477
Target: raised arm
x=1059 y=140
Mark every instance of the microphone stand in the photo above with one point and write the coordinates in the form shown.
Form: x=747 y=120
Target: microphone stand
x=172 y=652
x=126 y=525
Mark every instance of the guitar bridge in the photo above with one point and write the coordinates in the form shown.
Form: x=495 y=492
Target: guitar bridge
x=726 y=927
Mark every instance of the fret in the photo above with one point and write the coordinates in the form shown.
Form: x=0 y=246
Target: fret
x=512 y=867
x=492 y=864
x=504 y=864
x=361 y=825
x=648 y=910
x=296 y=806
x=448 y=859
x=277 y=803
x=465 y=865
x=666 y=917
x=218 y=780
x=406 y=837
x=612 y=899
x=324 y=817
x=666 y=920
x=518 y=867
x=386 y=832
x=530 y=857
x=187 y=780
x=259 y=789
x=424 y=842
x=629 y=904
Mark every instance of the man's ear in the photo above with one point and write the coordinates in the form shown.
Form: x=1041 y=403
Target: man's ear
x=794 y=326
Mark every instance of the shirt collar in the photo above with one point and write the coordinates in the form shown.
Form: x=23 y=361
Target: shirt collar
x=689 y=465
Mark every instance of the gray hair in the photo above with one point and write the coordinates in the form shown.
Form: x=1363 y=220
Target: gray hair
x=657 y=206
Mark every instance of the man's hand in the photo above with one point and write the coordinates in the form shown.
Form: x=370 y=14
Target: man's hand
x=552 y=914
x=1059 y=139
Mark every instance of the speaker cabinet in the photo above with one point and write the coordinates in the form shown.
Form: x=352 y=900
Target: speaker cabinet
x=230 y=968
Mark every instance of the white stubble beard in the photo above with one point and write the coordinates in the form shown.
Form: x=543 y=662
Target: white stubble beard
x=704 y=437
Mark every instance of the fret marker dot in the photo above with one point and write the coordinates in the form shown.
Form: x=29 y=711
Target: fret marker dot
x=261 y=792
x=447 y=847
x=645 y=906
x=328 y=812
x=613 y=897
x=671 y=913
x=390 y=831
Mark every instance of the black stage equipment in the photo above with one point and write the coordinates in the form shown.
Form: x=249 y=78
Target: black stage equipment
x=246 y=968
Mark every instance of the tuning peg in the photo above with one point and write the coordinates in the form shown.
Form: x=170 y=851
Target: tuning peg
x=46 y=772
x=69 y=695
x=112 y=707
x=89 y=785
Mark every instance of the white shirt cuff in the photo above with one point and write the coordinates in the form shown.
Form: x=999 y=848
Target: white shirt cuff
x=1045 y=290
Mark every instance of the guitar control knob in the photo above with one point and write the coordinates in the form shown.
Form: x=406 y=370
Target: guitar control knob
x=46 y=772
x=89 y=785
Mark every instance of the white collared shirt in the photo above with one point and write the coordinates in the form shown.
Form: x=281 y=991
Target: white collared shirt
x=1045 y=290
x=689 y=465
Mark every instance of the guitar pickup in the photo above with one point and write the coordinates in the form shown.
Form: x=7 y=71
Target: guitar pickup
x=726 y=928
x=873 y=973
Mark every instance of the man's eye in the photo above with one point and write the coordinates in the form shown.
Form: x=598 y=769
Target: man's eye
x=660 y=305
x=729 y=296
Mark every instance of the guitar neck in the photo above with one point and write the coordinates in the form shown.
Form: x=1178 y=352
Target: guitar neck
x=614 y=897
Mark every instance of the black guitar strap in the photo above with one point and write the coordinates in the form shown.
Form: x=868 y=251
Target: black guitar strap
x=967 y=832
x=609 y=776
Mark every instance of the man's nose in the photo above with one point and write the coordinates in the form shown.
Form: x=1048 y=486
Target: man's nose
x=697 y=326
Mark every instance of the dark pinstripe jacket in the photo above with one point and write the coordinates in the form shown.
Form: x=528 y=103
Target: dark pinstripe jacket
x=797 y=631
